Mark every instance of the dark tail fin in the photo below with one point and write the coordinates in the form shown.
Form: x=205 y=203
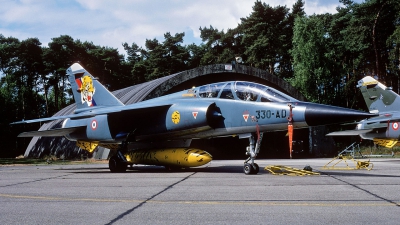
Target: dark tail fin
x=378 y=97
x=88 y=91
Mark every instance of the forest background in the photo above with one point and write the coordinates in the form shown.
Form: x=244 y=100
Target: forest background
x=322 y=55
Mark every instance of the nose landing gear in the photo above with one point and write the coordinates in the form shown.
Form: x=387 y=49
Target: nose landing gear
x=250 y=167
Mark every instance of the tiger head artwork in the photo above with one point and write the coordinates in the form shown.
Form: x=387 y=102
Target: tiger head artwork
x=87 y=91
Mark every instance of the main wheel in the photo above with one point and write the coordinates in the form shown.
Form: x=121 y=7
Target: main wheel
x=112 y=164
x=248 y=169
x=116 y=166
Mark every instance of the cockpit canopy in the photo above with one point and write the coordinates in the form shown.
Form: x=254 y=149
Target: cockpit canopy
x=243 y=90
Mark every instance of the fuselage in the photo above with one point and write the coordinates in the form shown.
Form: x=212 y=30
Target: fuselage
x=214 y=110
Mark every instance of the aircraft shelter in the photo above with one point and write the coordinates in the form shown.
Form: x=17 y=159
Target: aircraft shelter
x=276 y=143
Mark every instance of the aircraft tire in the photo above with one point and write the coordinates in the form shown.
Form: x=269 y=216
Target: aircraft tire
x=257 y=168
x=248 y=169
x=122 y=167
x=112 y=164
x=116 y=166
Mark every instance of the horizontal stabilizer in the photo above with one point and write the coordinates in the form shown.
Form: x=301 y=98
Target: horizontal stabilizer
x=349 y=132
x=59 y=132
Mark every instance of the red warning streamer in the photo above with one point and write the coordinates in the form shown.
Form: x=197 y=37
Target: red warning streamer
x=290 y=129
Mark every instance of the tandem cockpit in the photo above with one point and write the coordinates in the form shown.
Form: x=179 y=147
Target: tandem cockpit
x=243 y=90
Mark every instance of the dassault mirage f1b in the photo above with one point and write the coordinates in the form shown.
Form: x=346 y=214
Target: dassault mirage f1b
x=383 y=129
x=159 y=131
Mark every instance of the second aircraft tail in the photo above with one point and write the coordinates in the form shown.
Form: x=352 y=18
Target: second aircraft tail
x=377 y=96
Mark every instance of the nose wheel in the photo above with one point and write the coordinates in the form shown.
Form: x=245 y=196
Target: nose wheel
x=249 y=169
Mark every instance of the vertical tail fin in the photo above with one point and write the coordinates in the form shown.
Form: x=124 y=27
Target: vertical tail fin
x=88 y=91
x=377 y=96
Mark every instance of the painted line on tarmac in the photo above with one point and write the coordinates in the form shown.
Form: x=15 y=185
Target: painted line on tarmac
x=149 y=199
x=46 y=198
x=257 y=203
x=37 y=180
x=364 y=190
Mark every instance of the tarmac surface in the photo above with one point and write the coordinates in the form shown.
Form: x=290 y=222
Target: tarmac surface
x=219 y=193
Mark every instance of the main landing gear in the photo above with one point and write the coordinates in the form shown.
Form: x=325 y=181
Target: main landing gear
x=250 y=167
x=118 y=162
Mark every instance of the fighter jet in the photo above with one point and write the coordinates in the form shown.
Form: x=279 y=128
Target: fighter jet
x=383 y=129
x=159 y=131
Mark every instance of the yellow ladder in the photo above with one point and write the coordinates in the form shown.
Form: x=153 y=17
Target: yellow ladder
x=290 y=171
x=358 y=164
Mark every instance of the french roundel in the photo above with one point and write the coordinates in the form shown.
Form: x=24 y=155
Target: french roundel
x=395 y=126
x=94 y=124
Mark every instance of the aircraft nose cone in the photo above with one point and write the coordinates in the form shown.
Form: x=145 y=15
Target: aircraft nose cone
x=317 y=114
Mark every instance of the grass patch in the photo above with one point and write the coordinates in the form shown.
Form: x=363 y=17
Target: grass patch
x=378 y=151
x=381 y=151
x=23 y=161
